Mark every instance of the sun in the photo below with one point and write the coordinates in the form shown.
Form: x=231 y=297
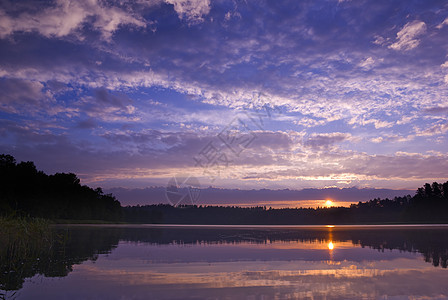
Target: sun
x=330 y=246
x=329 y=203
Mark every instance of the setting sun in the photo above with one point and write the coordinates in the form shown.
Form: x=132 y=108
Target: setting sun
x=330 y=246
x=329 y=203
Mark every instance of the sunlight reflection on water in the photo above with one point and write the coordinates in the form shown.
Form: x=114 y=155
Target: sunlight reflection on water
x=240 y=263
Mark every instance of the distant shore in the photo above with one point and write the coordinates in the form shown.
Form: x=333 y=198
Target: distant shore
x=327 y=226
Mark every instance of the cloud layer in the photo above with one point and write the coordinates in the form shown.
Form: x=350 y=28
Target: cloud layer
x=313 y=93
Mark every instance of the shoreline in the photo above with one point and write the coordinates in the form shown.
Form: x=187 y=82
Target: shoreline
x=316 y=226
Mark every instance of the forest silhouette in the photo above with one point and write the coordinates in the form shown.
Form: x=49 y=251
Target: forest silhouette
x=25 y=191
x=428 y=205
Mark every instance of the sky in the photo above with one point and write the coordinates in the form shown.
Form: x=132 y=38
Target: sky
x=238 y=94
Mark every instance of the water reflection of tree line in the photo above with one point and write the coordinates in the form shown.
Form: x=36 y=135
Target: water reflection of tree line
x=432 y=243
x=75 y=245
x=54 y=258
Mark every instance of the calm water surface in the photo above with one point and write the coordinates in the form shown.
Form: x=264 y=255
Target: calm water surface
x=218 y=262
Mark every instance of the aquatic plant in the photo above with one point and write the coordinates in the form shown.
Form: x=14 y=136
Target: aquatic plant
x=23 y=241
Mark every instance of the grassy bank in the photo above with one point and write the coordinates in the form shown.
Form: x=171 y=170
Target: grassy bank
x=22 y=235
x=22 y=242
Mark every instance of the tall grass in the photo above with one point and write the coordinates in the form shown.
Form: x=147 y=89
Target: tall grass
x=22 y=237
x=22 y=242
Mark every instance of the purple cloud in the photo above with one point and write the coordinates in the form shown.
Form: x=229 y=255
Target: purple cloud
x=134 y=91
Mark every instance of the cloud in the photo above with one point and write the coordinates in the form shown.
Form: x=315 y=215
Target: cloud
x=363 y=120
x=121 y=89
x=367 y=63
x=106 y=98
x=194 y=63
x=326 y=140
x=436 y=110
x=154 y=156
x=392 y=138
x=337 y=167
x=276 y=141
x=19 y=96
x=108 y=107
x=26 y=133
x=191 y=10
x=436 y=129
x=87 y=124
x=407 y=36
x=400 y=165
x=156 y=195
x=441 y=25
x=309 y=122
x=68 y=17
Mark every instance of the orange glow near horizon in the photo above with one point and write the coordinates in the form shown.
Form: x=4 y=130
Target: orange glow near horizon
x=330 y=246
x=288 y=203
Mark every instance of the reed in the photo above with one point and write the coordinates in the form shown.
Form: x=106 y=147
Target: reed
x=23 y=241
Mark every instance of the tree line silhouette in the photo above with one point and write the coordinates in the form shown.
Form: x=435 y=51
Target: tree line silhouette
x=25 y=191
x=67 y=247
x=428 y=205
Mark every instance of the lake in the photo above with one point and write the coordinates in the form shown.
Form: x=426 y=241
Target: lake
x=236 y=262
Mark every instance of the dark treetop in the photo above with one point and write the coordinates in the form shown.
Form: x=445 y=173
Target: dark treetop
x=25 y=191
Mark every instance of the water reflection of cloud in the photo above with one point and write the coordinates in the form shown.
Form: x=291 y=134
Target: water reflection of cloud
x=238 y=280
x=239 y=262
